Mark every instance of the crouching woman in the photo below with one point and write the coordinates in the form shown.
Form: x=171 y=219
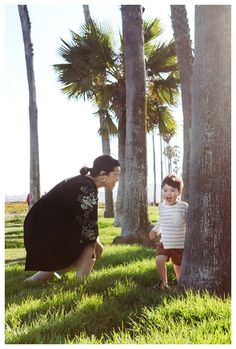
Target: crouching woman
x=60 y=229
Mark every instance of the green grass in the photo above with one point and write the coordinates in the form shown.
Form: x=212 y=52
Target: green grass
x=14 y=255
x=14 y=232
x=117 y=304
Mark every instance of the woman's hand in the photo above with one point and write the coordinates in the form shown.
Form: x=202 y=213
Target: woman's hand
x=98 y=249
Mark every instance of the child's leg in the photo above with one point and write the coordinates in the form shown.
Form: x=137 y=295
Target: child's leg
x=161 y=268
x=40 y=277
x=176 y=258
x=86 y=262
x=177 y=269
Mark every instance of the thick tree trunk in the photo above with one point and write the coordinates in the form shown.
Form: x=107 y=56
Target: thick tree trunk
x=135 y=225
x=207 y=255
x=33 y=112
x=185 y=63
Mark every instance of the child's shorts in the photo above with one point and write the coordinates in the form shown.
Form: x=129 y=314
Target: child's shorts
x=176 y=254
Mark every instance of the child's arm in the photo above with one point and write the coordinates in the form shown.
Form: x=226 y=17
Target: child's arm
x=154 y=232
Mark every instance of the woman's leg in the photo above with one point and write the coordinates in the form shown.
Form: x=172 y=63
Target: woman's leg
x=83 y=265
x=85 y=262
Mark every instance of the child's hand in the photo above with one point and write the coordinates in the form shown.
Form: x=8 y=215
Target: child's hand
x=152 y=234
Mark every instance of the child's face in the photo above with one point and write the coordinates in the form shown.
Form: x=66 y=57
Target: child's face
x=170 y=194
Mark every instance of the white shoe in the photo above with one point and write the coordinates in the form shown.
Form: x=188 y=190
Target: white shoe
x=57 y=275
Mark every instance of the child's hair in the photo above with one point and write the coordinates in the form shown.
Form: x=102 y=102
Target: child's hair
x=173 y=181
x=103 y=163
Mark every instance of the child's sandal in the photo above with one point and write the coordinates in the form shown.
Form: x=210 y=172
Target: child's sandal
x=161 y=286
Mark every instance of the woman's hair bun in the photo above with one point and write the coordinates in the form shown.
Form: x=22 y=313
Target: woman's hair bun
x=85 y=170
x=103 y=163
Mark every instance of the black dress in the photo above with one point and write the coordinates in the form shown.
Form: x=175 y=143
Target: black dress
x=60 y=224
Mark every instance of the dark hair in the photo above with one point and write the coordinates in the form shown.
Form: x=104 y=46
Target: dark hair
x=173 y=181
x=103 y=163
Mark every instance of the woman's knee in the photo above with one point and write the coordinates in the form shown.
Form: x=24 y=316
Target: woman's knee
x=89 y=249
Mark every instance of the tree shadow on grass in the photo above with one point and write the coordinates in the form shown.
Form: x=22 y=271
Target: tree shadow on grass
x=94 y=310
x=15 y=261
x=110 y=268
x=118 y=255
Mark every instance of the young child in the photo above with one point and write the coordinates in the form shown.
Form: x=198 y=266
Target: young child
x=171 y=226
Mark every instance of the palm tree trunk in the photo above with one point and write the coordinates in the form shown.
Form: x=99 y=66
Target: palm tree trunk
x=185 y=62
x=207 y=256
x=87 y=15
x=165 y=161
x=169 y=165
x=33 y=112
x=161 y=157
x=109 y=207
x=135 y=225
x=121 y=155
x=154 y=171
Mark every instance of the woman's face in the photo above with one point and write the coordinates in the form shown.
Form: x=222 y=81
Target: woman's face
x=112 y=178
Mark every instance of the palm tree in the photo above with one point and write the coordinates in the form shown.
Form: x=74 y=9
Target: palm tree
x=172 y=155
x=185 y=62
x=135 y=213
x=207 y=257
x=33 y=112
x=109 y=207
x=95 y=68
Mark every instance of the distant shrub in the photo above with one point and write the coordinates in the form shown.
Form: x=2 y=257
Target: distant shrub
x=16 y=207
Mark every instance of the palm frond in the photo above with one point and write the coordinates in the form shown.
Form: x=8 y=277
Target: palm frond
x=163 y=59
x=94 y=70
x=161 y=117
x=107 y=127
x=152 y=30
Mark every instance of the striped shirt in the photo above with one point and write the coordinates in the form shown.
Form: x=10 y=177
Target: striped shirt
x=172 y=224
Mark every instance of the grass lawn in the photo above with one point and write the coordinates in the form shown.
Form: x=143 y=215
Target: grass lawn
x=117 y=304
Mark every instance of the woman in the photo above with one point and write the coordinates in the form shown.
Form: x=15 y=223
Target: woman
x=60 y=230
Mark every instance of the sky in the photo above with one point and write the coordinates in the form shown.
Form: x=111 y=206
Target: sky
x=68 y=137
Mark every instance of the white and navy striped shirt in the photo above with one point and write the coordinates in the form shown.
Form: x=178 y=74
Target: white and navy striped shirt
x=172 y=224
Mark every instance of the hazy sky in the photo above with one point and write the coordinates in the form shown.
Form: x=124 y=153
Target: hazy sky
x=68 y=136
